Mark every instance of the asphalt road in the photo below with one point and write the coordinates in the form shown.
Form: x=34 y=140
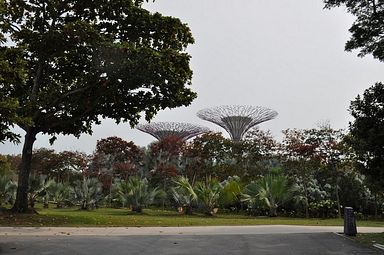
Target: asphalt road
x=292 y=243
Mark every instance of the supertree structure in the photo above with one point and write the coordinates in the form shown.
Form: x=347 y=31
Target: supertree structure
x=237 y=119
x=163 y=129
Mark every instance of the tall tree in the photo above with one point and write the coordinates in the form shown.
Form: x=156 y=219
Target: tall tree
x=65 y=64
x=367 y=134
x=207 y=155
x=368 y=29
x=311 y=153
x=298 y=158
x=260 y=155
x=331 y=153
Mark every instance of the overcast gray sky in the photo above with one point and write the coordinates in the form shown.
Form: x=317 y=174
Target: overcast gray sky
x=287 y=55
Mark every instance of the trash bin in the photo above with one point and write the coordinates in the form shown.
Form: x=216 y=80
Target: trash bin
x=349 y=222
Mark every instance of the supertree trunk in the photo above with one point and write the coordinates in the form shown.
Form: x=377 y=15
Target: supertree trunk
x=237 y=119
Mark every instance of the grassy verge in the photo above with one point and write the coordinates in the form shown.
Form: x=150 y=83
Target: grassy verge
x=72 y=217
x=370 y=238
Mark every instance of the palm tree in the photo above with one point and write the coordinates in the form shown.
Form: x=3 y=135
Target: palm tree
x=7 y=190
x=38 y=188
x=183 y=194
x=272 y=190
x=136 y=192
x=88 y=193
x=231 y=193
x=60 y=193
x=250 y=195
x=208 y=194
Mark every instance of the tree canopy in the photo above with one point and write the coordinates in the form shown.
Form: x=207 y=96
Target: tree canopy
x=367 y=133
x=368 y=28
x=66 y=63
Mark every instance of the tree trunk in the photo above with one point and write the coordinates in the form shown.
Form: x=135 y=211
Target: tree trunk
x=338 y=197
x=376 y=211
x=306 y=205
x=137 y=209
x=273 y=211
x=188 y=210
x=21 y=202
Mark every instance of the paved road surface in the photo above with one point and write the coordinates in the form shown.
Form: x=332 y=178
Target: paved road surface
x=198 y=240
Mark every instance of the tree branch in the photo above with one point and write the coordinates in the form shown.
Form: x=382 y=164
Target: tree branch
x=374 y=6
x=70 y=93
x=37 y=81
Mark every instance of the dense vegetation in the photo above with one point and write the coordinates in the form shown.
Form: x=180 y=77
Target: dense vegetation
x=310 y=173
x=65 y=64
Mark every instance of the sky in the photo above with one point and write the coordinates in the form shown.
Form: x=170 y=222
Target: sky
x=285 y=55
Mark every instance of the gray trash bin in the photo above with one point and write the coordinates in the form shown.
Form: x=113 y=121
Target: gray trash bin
x=349 y=222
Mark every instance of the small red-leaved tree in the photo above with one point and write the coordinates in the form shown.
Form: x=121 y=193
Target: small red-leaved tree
x=166 y=159
x=115 y=158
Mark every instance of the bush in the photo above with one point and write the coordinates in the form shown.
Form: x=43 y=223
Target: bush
x=323 y=209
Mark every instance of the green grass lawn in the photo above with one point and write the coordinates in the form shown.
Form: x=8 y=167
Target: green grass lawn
x=369 y=239
x=72 y=217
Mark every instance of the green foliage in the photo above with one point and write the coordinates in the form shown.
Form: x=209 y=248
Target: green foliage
x=88 y=193
x=368 y=29
x=354 y=192
x=367 y=134
x=7 y=190
x=6 y=168
x=9 y=116
x=136 y=192
x=62 y=194
x=251 y=196
x=259 y=153
x=323 y=209
x=272 y=190
x=231 y=193
x=314 y=154
x=209 y=155
x=64 y=65
x=38 y=186
x=316 y=162
x=208 y=195
x=312 y=192
x=183 y=194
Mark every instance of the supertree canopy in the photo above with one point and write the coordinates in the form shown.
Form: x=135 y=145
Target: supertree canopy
x=163 y=129
x=237 y=119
